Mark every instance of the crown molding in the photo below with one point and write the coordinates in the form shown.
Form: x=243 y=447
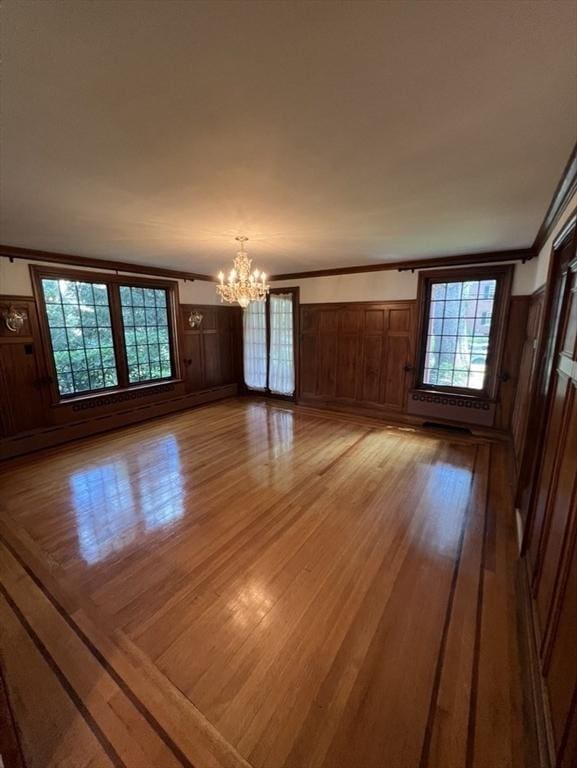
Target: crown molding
x=465 y=259
x=564 y=191
x=13 y=252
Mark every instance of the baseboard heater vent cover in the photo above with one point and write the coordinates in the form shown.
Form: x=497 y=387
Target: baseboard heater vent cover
x=439 y=406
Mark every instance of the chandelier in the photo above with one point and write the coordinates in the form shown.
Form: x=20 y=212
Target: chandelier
x=242 y=285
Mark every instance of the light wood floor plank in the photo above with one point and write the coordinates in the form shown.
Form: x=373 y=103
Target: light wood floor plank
x=275 y=587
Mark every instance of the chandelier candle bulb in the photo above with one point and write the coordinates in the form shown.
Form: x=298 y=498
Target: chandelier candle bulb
x=243 y=286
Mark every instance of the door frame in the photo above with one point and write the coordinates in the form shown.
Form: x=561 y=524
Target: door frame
x=541 y=394
x=295 y=292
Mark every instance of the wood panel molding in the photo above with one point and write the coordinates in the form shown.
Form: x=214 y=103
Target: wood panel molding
x=466 y=259
x=357 y=354
x=12 y=252
x=564 y=191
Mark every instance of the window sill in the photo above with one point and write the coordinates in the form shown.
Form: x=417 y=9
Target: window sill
x=115 y=391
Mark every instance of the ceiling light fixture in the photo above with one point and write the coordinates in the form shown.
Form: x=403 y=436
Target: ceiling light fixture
x=242 y=285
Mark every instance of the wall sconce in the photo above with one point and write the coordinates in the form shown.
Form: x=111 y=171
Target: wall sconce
x=14 y=319
x=195 y=319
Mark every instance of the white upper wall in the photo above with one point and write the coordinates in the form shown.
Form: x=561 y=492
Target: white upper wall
x=384 y=286
x=368 y=286
x=15 y=280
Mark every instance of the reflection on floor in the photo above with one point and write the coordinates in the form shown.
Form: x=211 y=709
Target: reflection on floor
x=264 y=585
x=108 y=516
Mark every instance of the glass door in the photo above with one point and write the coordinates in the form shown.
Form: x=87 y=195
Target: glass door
x=269 y=341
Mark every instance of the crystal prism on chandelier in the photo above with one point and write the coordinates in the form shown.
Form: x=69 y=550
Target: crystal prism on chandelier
x=242 y=285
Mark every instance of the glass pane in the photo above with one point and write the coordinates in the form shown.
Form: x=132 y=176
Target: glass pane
x=145 y=322
x=255 y=345
x=281 y=355
x=75 y=310
x=459 y=327
x=51 y=291
x=438 y=291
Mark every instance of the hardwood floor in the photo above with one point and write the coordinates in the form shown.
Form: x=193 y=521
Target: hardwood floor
x=262 y=585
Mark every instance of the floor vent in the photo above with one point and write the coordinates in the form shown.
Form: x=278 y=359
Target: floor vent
x=447 y=428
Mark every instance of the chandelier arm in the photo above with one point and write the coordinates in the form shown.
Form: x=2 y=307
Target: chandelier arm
x=242 y=286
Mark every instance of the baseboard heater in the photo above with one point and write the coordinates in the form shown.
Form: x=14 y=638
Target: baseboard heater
x=435 y=406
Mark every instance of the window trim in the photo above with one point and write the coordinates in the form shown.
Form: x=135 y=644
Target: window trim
x=503 y=274
x=113 y=283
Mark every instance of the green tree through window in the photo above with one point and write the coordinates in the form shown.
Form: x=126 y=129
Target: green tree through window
x=81 y=335
x=458 y=332
x=146 y=333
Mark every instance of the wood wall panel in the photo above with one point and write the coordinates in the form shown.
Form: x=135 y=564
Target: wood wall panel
x=372 y=361
x=515 y=336
x=211 y=353
x=22 y=373
x=562 y=669
x=19 y=375
x=357 y=353
x=309 y=373
x=552 y=533
x=557 y=512
x=526 y=378
x=398 y=355
x=212 y=368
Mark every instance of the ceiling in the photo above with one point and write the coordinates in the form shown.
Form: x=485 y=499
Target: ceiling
x=331 y=134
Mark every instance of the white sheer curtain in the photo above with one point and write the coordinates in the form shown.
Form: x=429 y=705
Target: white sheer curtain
x=281 y=364
x=254 y=344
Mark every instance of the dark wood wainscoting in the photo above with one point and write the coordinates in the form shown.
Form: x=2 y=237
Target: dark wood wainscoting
x=212 y=353
x=513 y=349
x=357 y=354
x=29 y=420
x=526 y=378
x=551 y=521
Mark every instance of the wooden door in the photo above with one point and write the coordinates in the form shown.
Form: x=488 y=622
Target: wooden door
x=552 y=544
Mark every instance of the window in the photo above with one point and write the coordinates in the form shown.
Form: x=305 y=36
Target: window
x=78 y=316
x=255 y=345
x=146 y=333
x=281 y=353
x=105 y=332
x=462 y=315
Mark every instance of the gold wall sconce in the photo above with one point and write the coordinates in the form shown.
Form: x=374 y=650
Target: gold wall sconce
x=14 y=319
x=195 y=319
